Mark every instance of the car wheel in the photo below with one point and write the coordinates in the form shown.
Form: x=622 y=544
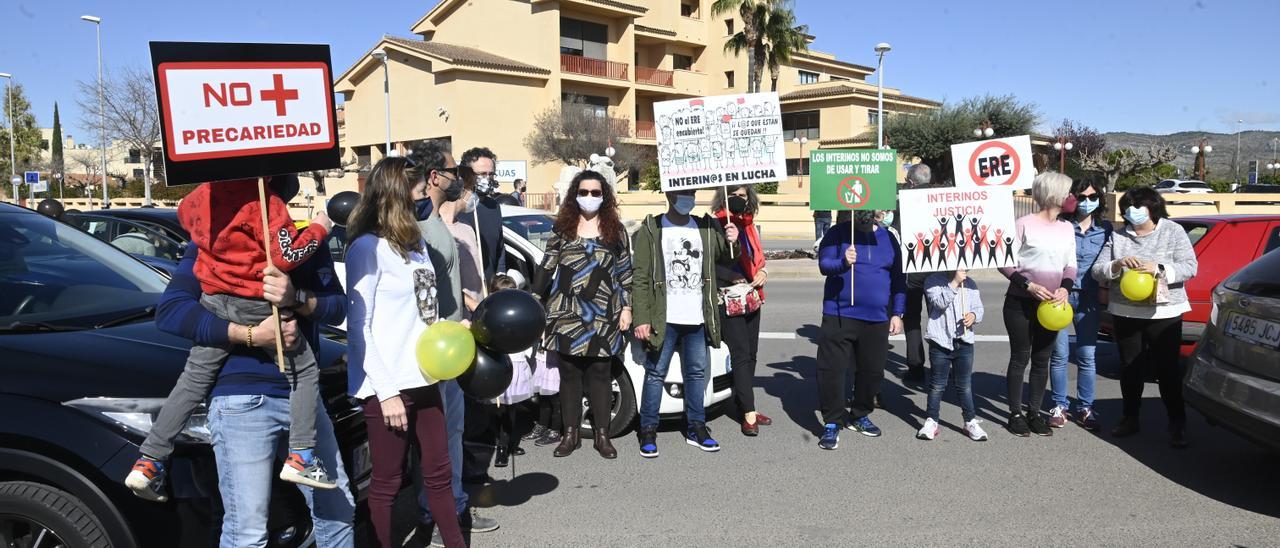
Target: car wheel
x=32 y=514
x=622 y=405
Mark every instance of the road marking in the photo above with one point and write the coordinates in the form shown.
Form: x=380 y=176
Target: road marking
x=788 y=336
x=780 y=335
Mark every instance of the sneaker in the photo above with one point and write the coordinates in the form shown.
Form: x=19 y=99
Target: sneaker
x=472 y=521
x=548 y=437
x=830 y=437
x=146 y=479
x=1018 y=426
x=1038 y=425
x=975 y=431
x=537 y=432
x=865 y=427
x=649 y=442
x=1178 y=435
x=1057 y=417
x=928 y=431
x=1087 y=419
x=311 y=474
x=699 y=436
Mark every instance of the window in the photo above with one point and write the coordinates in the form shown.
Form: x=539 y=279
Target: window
x=1273 y=242
x=591 y=103
x=839 y=79
x=137 y=173
x=800 y=124
x=807 y=77
x=728 y=78
x=681 y=62
x=728 y=27
x=873 y=117
x=797 y=166
x=44 y=144
x=135 y=156
x=689 y=10
x=583 y=38
x=1166 y=184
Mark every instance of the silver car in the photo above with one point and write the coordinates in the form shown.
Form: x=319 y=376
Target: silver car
x=1234 y=379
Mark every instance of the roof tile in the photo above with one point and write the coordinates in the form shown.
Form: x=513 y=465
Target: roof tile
x=462 y=55
x=839 y=89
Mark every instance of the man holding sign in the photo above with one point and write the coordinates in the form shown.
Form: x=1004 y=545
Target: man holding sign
x=864 y=283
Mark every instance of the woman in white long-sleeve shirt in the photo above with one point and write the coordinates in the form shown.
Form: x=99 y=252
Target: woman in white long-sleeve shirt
x=392 y=290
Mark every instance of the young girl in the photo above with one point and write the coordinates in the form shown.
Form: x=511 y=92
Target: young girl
x=546 y=384
x=520 y=389
x=955 y=307
x=392 y=289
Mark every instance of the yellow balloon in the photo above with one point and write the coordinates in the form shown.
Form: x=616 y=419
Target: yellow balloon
x=1137 y=285
x=445 y=350
x=1054 y=317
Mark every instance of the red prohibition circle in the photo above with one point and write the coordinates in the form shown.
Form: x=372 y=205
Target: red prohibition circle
x=1013 y=155
x=845 y=184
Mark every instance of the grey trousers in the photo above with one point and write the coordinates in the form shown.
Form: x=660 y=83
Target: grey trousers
x=201 y=371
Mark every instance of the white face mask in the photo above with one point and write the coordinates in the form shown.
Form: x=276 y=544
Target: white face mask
x=486 y=186
x=590 y=204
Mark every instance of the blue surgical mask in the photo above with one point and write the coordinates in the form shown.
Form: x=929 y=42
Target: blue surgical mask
x=1136 y=215
x=887 y=220
x=1087 y=206
x=684 y=204
x=422 y=208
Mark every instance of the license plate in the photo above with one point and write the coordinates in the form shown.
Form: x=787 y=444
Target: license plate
x=360 y=460
x=1257 y=331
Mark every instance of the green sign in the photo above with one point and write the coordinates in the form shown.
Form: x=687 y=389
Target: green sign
x=853 y=179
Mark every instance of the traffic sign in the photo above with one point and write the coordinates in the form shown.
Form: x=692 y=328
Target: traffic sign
x=1004 y=162
x=40 y=186
x=31 y=177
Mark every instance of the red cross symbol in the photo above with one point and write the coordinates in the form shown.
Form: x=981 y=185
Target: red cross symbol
x=279 y=94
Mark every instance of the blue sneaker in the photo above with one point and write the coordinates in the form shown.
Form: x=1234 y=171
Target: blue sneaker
x=865 y=427
x=699 y=436
x=830 y=437
x=649 y=441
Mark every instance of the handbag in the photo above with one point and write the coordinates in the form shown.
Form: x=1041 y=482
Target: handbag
x=740 y=299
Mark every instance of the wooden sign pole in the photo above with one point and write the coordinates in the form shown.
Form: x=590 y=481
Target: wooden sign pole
x=266 y=246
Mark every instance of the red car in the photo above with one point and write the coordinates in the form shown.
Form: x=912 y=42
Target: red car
x=1223 y=244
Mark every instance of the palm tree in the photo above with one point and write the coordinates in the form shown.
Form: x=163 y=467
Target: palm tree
x=783 y=38
x=749 y=39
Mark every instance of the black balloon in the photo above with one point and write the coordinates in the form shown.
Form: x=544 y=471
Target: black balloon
x=340 y=206
x=488 y=376
x=50 y=207
x=508 y=321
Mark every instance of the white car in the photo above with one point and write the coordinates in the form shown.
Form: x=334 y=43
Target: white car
x=525 y=234
x=1178 y=186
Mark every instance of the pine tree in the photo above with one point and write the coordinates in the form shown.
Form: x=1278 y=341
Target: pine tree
x=56 y=164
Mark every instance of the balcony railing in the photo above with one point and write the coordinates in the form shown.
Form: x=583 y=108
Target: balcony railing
x=654 y=76
x=645 y=129
x=578 y=64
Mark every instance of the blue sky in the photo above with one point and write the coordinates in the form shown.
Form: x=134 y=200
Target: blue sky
x=1156 y=66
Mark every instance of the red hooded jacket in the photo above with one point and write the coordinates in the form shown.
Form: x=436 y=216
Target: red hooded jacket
x=225 y=223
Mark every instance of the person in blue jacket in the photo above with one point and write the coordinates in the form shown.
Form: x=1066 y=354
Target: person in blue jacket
x=249 y=403
x=862 y=304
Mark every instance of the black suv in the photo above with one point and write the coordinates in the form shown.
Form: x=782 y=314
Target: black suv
x=84 y=371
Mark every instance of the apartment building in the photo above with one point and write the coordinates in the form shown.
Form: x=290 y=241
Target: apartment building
x=476 y=72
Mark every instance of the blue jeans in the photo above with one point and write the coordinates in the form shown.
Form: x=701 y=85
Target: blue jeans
x=249 y=434
x=820 y=227
x=941 y=362
x=1086 y=322
x=691 y=342
x=454 y=415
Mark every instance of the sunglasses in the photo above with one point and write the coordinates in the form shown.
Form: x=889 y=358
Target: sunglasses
x=592 y=193
x=1082 y=197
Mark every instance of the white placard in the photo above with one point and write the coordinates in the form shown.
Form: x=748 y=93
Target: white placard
x=229 y=109
x=42 y=186
x=949 y=228
x=720 y=140
x=1004 y=162
x=510 y=170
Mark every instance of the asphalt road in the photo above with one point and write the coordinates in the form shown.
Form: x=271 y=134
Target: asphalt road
x=1074 y=488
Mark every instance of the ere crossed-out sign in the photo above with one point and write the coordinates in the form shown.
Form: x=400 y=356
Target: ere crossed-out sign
x=244 y=110
x=1004 y=163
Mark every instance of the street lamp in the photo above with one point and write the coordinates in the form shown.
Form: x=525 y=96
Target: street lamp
x=13 y=166
x=1200 y=151
x=58 y=177
x=1274 y=164
x=1062 y=146
x=381 y=56
x=881 y=49
x=984 y=130
x=1236 y=157
x=102 y=108
x=16 y=180
x=802 y=141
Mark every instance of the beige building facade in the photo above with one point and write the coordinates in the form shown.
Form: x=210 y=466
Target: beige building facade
x=477 y=72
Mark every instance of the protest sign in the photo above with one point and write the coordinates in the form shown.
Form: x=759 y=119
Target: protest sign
x=232 y=111
x=510 y=170
x=853 y=179
x=950 y=228
x=1004 y=162
x=721 y=140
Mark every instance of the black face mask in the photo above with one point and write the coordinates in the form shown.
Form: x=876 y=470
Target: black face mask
x=454 y=190
x=422 y=208
x=737 y=205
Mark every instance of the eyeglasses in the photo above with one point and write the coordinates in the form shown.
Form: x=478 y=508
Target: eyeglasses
x=596 y=193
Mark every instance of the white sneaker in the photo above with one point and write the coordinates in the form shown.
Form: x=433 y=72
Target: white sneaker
x=976 y=433
x=1058 y=417
x=928 y=431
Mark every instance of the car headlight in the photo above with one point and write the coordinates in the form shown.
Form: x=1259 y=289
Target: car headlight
x=136 y=415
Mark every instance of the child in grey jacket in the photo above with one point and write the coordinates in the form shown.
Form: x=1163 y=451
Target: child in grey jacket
x=955 y=308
